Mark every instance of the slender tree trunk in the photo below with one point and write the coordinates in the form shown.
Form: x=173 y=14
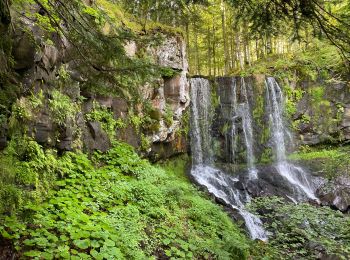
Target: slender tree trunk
x=214 y=48
x=223 y=24
x=209 y=50
x=238 y=50
x=233 y=53
x=188 y=47
x=196 y=51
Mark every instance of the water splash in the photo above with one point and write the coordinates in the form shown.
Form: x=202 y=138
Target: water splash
x=221 y=186
x=296 y=176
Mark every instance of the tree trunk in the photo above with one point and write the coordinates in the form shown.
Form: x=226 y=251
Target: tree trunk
x=209 y=50
x=223 y=24
x=196 y=49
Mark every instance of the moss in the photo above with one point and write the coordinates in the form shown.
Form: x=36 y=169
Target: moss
x=145 y=143
x=168 y=116
x=152 y=127
x=266 y=156
x=167 y=72
x=329 y=161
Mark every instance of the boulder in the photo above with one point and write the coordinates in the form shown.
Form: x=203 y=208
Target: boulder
x=336 y=193
x=95 y=138
x=23 y=51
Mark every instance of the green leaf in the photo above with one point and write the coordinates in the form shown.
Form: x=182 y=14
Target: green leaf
x=82 y=244
x=33 y=253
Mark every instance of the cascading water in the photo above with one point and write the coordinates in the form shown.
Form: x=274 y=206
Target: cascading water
x=200 y=121
x=218 y=183
x=222 y=186
x=244 y=112
x=233 y=134
x=293 y=174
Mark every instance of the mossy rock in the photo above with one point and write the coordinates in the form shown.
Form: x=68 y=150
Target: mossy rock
x=155 y=114
x=153 y=127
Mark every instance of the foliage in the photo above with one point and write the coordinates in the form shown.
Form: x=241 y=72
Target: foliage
x=27 y=173
x=145 y=142
x=62 y=108
x=26 y=108
x=328 y=161
x=122 y=208
x=293 y=96
x=105 y=117
x=168 y=72
x=168 y=116
x=319 y=60
x=322 y=18
x=303 y=231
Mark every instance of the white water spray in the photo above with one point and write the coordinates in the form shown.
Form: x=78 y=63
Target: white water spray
x=296 y=176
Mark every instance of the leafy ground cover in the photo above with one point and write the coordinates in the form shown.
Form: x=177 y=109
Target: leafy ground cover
x=113 y=206
x=301 y=231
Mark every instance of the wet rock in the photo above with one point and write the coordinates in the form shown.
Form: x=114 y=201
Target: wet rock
x=310 y=138
x=336 y=193
x=163 y=150
x=120 y=107
x=269 y=183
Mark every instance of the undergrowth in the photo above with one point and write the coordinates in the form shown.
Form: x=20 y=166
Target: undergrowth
x=301 y=231
x=115 y=206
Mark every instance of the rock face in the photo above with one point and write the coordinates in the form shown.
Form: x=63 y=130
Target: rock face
x=40 y=65
x=315 y=112
x=336 y=193
x=345 y=125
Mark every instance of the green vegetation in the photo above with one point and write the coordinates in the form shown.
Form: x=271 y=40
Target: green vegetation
x=168 y=116
x=105 y=117
x=329 y=162
x=302 y=231
x=27 y=174
x=116 y=205
x=318 y=60
x=62 y=108
x=113 y=206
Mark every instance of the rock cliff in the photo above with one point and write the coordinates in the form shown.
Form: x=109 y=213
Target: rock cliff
x=59 y=111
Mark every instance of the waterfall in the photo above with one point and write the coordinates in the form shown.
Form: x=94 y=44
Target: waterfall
x=233 y=134
x=245 y=113
x=216 y=182
x=296 y=176
x=222 y=186
x=200 y=121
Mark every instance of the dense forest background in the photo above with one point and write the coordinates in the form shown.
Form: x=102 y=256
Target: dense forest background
x=227 y=36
